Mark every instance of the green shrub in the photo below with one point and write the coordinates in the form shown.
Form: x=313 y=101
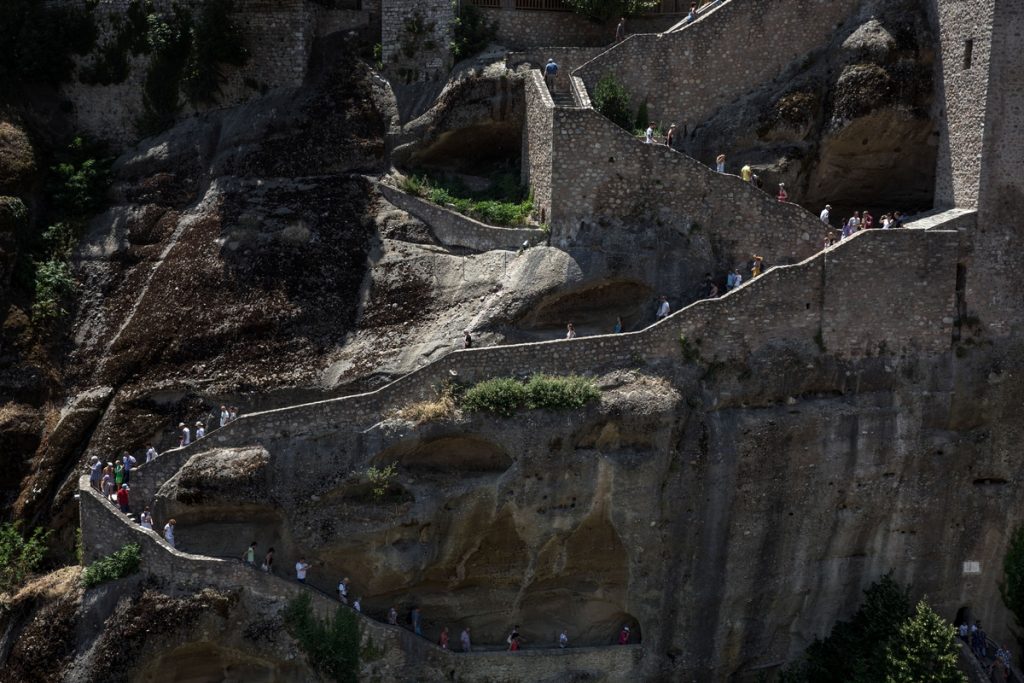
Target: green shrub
x=473 y=32
x=331 y=645
x=560 y=393
x=642 y=117
x=117 y=565
x=502 y=396
x=503 y=202
x=53 y=284
x=612 y=100
x=885 y=640
x=19 y=555
x=505 y=396
x=78 y=183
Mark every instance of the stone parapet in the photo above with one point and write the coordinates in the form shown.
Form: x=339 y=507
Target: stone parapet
x=455 y=230
x=879 y=292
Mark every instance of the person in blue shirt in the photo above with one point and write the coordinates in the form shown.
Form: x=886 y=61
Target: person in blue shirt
x=550 y=71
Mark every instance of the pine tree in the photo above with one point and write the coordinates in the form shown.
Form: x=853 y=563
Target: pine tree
x=923 y=650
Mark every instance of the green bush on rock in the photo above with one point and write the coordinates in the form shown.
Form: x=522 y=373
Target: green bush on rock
x=117 y=565
x=19 y=554
x=505 y=396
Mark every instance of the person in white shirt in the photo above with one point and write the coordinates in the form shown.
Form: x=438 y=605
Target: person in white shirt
x=649 y=135
x=150 y=453
x=563 y=639
x=300 y=570
x=358 y=605
x=343 y=590
x=146 y=519
x=663 y=309
x=186 y=435
x=200 y=432
x=826 y=214
x=225 y=416
x=169 y=532
x=233 y=415
x=570 y=331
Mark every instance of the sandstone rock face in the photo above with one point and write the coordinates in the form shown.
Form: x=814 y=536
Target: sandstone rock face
x=852 y=126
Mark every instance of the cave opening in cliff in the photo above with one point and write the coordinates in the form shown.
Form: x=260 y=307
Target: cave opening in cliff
x=591 y=309
x=479 y=149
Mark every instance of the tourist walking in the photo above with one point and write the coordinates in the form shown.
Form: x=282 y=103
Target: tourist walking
x=146 y=519
x=756 y=266
x=186 y=435
x=233 y=415
x=225 y=416
x=563 y=639
x=663 y=309
x=618 y=325
x=169 y=532
x=826 y=214
x=783 y=196
x=467 y=341
x=416 y=620
x=343 y=590
x=118 y=475
x=720 y=163
x=268 y=561
x=150 y=453
x=95 y=472
x=393 y=616
x=128 y=462
x=301 y=567
x=513 y=638
x=467 y=645
x=649 y=134
x=250 y=554
x=357 y=604
x=620 y=30
x=624 y=636
x=746 y=173
x=670 y=137
x=443 y=640
x=200 y=430
x=107 y=481
x=570 y=331
x=122 y=498
x=550 y=72
x=867 y=221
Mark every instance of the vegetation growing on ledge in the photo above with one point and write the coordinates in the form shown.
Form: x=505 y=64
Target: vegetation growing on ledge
x=331 y=645
x=473 y=33
x=117 y=565
x=886 y=640
x=503 y=202
x=19 y=554
x=39 y=38
x=612 y=100
x=505 y=396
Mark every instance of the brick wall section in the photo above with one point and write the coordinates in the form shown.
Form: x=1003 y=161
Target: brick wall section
x=962 y=95
x=455 y=230
x=687 y=74
x=600 y=170
x=537 y=143
x=834 y=294
x=105 y=530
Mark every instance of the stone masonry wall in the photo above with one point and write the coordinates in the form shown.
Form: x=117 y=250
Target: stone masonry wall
x=962 y=97
x=105 y=530
x=525 y=29
x=415 y=39
x=864 y=296
x=601 y=171
x=687 y=74
x=278 y=35
x=454 y=229
x=567 y=58
x=537 y=142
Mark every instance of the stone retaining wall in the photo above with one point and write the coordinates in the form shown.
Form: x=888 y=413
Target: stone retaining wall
x=879 y=292
x=105 y=530
x=687 y=74
x=599 y=171
x=455 y=230
x=537 y=142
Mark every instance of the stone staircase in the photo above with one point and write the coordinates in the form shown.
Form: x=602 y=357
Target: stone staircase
x=563 y=98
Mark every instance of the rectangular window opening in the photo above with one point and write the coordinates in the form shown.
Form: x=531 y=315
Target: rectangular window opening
x=968 y=52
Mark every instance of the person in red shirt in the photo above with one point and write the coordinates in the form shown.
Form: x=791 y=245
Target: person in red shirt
x=122 y=498
x=443 y=640
x=783 y=196
x=867 y=221
x=514 y=645
x=624 y=636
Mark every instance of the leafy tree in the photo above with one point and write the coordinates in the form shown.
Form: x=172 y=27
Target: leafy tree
x=923 y=650
x=604 y=10
x=612 y=100
x=19 y=554
x=331 y=645
x=1012 y=586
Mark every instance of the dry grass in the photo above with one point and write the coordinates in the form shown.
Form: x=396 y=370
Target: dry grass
x=48 y=587
x=440 y=408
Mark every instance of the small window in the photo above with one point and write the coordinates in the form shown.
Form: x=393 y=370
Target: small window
x=968 y=52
